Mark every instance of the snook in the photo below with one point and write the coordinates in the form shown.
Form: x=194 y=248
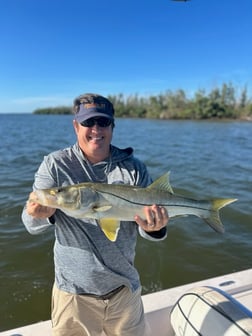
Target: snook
x=111 y=203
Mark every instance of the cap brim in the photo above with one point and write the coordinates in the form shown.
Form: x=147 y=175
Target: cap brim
x=85 y=116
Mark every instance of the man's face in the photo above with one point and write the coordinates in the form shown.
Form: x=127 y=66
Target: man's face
x=95 y=140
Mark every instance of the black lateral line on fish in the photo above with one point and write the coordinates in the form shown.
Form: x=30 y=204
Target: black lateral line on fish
x=159 y=204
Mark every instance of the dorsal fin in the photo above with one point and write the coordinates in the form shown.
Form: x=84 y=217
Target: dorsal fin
x=163 y=182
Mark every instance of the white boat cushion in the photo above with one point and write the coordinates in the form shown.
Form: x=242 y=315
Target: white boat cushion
x=209 y=311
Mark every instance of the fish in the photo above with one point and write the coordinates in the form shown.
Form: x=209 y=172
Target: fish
x=110 y=204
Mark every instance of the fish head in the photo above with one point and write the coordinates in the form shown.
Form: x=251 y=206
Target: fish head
x=61 y=198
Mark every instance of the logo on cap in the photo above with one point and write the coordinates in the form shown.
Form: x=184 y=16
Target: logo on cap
x=93 y=105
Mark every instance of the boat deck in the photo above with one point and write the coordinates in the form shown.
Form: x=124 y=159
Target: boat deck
x=159 y=304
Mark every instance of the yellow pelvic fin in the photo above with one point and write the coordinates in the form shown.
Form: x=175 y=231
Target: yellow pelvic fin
x=163 y=182
x=110 y=227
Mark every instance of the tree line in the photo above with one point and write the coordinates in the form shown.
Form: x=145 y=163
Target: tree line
x=220 y=103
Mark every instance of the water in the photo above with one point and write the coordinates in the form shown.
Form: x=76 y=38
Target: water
x=206 y=159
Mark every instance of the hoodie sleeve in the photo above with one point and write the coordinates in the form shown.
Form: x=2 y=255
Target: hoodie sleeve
x=35 y=225
x=43 y=180
x=153 y=236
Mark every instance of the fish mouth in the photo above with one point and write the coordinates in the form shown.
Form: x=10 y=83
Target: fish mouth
x=45 y=198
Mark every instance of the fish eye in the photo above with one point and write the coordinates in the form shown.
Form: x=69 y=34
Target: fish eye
x=55 y=191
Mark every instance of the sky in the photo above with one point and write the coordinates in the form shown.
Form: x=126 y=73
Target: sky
x=53 y=50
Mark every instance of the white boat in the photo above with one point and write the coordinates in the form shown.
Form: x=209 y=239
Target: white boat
x=213 y=307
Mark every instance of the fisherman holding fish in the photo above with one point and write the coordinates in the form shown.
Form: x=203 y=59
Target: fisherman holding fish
x=97 y=288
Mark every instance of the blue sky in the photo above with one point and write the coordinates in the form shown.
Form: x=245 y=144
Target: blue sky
x=54 y=50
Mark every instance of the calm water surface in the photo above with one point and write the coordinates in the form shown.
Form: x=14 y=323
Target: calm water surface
x=206 y=159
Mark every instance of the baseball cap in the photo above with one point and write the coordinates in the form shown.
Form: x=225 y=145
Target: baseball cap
x=91 y=105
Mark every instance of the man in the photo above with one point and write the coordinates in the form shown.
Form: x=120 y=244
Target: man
x=97 y=288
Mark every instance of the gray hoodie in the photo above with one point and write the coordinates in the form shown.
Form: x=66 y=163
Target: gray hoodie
x=85 y=260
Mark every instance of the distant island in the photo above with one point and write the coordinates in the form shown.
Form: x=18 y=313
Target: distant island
x=220 y=103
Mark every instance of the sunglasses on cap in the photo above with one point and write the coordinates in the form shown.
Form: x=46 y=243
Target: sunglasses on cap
x=99 y=121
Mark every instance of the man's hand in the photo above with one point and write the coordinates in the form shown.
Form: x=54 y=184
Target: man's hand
x=156 y=218
x=36 y=210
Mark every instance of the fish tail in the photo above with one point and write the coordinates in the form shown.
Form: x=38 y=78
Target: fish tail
x=214 y=219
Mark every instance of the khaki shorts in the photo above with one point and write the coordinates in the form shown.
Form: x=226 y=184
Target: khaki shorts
x=81 y=315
